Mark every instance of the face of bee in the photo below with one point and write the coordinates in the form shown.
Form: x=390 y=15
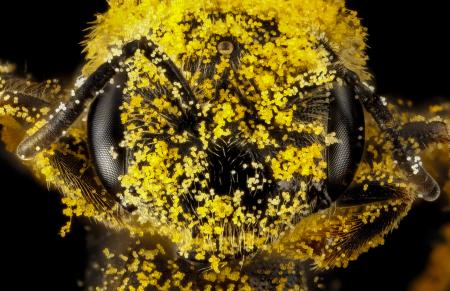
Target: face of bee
x=227 y=172
x=219 y=129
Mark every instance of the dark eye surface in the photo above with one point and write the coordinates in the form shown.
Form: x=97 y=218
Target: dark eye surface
x=225 y=47
x=346 y=119
x=105 y=132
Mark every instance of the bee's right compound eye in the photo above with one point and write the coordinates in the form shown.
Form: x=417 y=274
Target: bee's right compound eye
x=346 y=119
x=105 y=132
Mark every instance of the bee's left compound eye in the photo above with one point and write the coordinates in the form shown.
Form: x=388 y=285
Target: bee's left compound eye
x=105 y=132
x=346 y=119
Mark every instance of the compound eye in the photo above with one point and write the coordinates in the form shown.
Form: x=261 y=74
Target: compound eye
x=346 y=119
x=105 y=132
x=225 y=47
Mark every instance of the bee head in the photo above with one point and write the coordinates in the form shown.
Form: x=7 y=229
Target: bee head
x=222 y=145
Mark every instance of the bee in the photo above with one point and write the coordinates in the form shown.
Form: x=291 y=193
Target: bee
x=230 y=141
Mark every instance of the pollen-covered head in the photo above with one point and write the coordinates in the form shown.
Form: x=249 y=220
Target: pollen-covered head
x=224 y=163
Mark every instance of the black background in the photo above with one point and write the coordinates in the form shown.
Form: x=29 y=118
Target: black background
x=409 y=55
